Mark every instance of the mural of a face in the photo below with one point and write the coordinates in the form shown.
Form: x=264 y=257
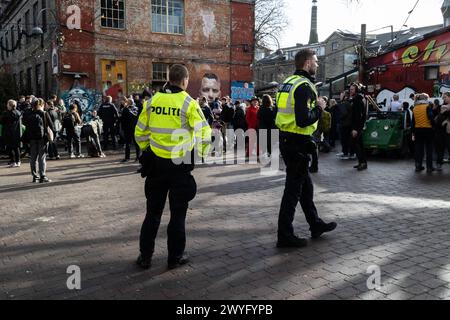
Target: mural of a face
x=210 y=87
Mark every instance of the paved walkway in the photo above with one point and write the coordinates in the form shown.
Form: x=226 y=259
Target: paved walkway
x=91 y=215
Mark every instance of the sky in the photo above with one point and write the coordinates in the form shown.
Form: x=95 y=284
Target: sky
x=349 y=15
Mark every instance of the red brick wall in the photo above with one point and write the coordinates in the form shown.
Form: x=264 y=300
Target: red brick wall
x=78 y=47
x=243 y=21
x=206 y=46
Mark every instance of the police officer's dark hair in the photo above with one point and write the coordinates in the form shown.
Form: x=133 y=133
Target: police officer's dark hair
x=302 y=56
x=178 y=73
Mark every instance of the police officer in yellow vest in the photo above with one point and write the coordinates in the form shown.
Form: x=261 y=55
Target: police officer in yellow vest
x=171 y=128
x=299 y=110
x=423 y=133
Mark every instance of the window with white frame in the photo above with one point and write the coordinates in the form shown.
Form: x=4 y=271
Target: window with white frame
x=168 y=16
x=113 y=14
x=160 y=71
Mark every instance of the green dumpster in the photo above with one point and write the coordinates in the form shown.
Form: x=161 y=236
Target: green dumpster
x=388 y=131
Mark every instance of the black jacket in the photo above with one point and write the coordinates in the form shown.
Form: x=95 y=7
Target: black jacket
x=266 y=118
x=239 y=121
x=53 y=116
x=305 y=117
x=227 y=113
x=22 y=106
x=37 y=122
x=129 y=119
x=108 y=113
x=359 y=113
x=11 y=121
x=207 y=113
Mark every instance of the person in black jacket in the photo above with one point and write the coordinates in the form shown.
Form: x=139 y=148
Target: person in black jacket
x=344 y=109
x=128 y=121
x=239 y=121
x=21 y=104
x=266 y=119
x=54 y=115
x=12 y=121
x=359 y=117
x=109 y=115
x=37 y=124
x=70 y=123
x=226 y=116
x=206 y=110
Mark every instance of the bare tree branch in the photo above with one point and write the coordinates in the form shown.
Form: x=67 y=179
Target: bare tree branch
x=270 y=22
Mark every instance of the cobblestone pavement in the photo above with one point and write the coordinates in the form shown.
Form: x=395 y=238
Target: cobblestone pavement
x=90 y=216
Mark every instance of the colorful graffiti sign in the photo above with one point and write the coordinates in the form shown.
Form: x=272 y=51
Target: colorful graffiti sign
x=413 y=53
x=241 y=90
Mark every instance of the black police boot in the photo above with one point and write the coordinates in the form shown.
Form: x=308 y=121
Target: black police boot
x=317 y=231
x=144 y=263
x=172 y=264
x=292 y=242
x=362 y=166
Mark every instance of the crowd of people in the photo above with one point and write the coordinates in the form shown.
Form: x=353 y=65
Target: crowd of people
x=32 y=127
x=51 y=123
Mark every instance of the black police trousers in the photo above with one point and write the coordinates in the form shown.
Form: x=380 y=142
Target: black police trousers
x=298 y=188
x=181 y=188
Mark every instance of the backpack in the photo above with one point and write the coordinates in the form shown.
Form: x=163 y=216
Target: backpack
x=35 y=126
x=69 y=122
x=325 y=122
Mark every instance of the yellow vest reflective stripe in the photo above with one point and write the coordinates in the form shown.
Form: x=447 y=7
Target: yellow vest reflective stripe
x=171 y=124
x=285 y=120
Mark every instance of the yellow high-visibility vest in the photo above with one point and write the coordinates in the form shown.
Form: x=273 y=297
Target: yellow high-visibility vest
x=285 y=120
x=420 y=113
x=171 y=124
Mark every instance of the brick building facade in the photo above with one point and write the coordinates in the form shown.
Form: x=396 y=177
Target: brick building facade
x=123 y=46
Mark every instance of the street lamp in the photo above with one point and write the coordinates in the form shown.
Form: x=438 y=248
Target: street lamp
x=38 y=32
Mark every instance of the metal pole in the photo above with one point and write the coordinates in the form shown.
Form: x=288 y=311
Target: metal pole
x=362 y=53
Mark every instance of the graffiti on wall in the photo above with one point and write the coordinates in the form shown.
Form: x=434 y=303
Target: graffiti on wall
x=86 y=98
x=114 y=78
x=413 y=53
x=241 y=90
x=385 y=96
